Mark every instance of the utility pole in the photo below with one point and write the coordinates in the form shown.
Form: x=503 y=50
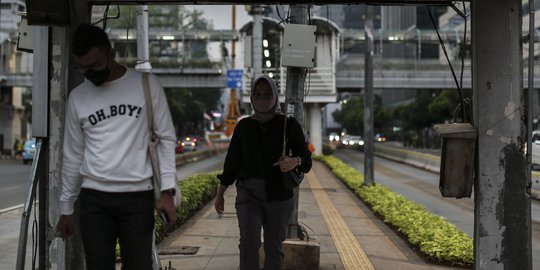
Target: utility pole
x=529 y=115
x=502 y=229
x=294 y=98
x=368 y=98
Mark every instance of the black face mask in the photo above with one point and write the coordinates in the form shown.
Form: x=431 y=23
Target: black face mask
x=98 y=77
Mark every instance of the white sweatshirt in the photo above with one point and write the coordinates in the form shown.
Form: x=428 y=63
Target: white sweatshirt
x=106 y=139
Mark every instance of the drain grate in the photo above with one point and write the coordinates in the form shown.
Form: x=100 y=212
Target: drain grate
x=184 y=250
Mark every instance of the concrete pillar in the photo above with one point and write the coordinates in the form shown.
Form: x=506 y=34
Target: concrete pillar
x=315 y=127
x=502 y=189
x=67 y=254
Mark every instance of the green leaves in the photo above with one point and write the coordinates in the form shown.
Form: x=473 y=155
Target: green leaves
x=196 y=192
x=432 y=234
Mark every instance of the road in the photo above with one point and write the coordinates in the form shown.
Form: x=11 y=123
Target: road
x=14 y=183
x=422 y=187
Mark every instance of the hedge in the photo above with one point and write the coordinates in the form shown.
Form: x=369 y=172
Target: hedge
x=196 y=192
x=431 y=234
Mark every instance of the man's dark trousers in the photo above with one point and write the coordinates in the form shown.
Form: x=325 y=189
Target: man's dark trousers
x=128 y=217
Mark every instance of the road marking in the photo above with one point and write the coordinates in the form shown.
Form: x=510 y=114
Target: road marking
x=8 y=188
x=351 y=253
x=11 y=208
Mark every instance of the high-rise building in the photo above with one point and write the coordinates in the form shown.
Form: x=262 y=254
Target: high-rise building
x=10 y=17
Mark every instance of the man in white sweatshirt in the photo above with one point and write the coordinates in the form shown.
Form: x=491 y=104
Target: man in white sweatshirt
x=105 y=161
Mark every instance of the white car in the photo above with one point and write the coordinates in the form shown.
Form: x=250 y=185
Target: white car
x=353 y=140
x=535 y=148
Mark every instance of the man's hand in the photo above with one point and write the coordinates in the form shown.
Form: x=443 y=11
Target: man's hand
x=166 y=204
x=66 y=226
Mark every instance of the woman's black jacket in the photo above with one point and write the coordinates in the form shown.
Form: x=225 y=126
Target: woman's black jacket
x=256 y=146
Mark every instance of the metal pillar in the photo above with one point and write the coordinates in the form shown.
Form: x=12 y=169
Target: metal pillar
x=294 y=97
x=143 y=54
x=256 y=45
x=502 y=187
x=315 y=127
x=368 y=99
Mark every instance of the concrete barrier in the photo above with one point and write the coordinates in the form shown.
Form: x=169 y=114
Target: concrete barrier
x=184 y=158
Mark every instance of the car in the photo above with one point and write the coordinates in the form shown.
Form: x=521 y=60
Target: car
x=179 y=149
x=535 y=149
x=380 y=138
x=29 y=151
x=189 y=145
x=333 y=137
x=195 y=138
x=353 y=140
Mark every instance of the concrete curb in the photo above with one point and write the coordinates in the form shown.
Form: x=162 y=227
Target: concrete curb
x=10 y=209
x=432 y=163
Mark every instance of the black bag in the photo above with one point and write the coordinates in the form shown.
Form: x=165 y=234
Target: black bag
x=294 y=177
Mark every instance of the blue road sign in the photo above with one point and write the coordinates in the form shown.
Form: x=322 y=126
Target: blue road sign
x=234 y=78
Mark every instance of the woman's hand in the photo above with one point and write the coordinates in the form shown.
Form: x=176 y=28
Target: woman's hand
x=219 y=202
x=287 y=163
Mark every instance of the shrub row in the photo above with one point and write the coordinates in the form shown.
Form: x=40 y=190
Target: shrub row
x=196 y=192
x=431 y=234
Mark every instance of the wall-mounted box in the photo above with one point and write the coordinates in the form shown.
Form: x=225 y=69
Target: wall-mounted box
x=298 y=45
x=457 y=159
x=25 y=40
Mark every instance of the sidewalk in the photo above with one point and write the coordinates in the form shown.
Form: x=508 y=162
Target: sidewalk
x=346 y=229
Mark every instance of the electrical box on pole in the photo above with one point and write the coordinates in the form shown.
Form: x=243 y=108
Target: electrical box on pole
x=298 y=45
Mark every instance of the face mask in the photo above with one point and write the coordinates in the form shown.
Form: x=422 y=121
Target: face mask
x=263 y=105
x=98 y=77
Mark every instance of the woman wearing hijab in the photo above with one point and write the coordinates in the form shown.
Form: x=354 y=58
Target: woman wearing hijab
x=254 y=160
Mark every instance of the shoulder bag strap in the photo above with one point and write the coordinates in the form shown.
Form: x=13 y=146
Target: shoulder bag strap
x=152 y=137
x=284 y=135
x=148 y=99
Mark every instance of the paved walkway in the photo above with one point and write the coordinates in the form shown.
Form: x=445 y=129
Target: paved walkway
x=350 y=236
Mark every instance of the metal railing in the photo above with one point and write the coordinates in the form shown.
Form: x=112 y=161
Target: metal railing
x=319 y=81
x=37 y=166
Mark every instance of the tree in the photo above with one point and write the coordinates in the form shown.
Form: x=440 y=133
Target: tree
x=429 y=108
x=187 y=108
x=351 y=115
